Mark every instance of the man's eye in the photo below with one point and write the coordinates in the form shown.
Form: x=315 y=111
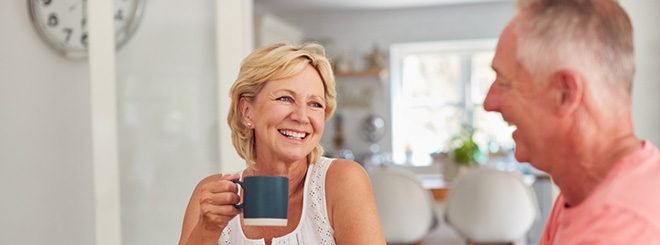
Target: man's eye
x=501 y=82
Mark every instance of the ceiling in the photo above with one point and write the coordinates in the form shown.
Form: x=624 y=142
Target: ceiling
x=296 y=5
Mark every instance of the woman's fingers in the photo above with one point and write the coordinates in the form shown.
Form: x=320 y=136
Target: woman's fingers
x=217 y=216
x=217 y=201
x=219 y=210
x=230 y=177
x=224 y=198
x=225 y=184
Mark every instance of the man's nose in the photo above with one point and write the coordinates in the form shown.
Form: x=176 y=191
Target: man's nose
x=492 y=103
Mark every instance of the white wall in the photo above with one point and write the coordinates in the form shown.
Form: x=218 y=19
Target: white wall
x=645 y=16
x=357 y=31
x=167 y=85
x=167 y=102
x=45 y=139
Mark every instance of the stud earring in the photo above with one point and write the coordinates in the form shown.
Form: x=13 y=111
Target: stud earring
x=249 y=124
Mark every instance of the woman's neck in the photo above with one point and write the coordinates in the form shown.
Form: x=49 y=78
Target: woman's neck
x=295 y=171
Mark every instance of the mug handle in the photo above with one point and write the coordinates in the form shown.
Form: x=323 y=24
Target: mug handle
x=240 y=205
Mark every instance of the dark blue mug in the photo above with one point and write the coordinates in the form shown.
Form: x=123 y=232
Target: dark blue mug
x=265 y=200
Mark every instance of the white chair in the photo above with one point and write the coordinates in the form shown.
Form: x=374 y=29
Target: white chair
x=491 y=206
x=405 y=209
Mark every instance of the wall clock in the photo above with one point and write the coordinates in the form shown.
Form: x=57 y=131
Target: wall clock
x=63 y=23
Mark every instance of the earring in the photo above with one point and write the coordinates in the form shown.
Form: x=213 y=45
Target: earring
x=249 y=124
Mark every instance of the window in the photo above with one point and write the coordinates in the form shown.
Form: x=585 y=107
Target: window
x=437 y=87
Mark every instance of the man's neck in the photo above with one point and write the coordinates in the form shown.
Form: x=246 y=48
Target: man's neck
x=588 y=168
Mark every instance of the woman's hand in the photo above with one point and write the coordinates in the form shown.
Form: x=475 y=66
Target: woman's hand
x=210 y=209
x=216 y=202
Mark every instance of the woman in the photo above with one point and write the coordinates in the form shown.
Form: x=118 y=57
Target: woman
x=280 y=101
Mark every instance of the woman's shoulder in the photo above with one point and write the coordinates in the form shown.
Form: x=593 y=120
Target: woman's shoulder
x=344 y=174
x=343 y=166
x=347 y=183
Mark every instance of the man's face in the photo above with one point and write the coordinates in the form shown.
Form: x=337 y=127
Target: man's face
x=521 y=100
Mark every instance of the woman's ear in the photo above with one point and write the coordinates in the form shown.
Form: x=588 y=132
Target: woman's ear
x=569 y=86
x=246 y=111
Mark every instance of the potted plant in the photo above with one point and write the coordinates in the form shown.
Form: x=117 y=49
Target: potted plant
x=464 y=153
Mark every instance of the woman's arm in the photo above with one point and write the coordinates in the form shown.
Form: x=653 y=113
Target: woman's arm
x=210 y=209
x=351 y=206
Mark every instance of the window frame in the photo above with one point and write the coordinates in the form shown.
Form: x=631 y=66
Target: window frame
x=463 y=48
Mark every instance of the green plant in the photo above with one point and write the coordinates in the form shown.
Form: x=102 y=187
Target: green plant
x=465 y=151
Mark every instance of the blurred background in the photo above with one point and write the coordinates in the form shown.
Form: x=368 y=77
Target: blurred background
x=411 y=77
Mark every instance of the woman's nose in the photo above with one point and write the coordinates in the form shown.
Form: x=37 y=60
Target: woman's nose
x=300 y=114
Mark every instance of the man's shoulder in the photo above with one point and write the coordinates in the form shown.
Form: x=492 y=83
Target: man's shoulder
x=609 y=225
x=636 y=176
x=630 y=192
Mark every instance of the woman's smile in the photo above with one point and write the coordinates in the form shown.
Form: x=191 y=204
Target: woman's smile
x=293 y=134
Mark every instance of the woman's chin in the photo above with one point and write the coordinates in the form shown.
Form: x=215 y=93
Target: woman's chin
x=294 y=156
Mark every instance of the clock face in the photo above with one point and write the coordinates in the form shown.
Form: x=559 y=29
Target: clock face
x=63 y=23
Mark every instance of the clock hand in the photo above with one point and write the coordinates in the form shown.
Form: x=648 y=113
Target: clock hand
x=84 y=14
x=74 y=6
x=84 y=2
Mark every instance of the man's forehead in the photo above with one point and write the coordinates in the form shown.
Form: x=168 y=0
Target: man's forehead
x=505 y=50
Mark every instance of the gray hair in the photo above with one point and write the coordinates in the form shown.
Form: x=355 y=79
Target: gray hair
x=566 y=34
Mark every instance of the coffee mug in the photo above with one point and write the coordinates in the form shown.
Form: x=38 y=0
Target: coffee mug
x=265 y=200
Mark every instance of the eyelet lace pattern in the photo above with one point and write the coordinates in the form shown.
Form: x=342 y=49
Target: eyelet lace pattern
x=314 y=226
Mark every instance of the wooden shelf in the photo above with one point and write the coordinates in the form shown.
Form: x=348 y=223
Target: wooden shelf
x=359 y=73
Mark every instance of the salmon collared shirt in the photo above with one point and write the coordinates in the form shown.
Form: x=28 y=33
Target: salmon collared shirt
x=623 y=209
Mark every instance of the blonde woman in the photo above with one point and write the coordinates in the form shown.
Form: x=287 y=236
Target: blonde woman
x=280 y=101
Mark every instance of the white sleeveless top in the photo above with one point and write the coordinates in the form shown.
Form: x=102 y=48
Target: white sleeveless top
x=314 y=226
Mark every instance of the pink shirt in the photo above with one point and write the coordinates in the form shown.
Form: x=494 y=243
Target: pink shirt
x=623 y=209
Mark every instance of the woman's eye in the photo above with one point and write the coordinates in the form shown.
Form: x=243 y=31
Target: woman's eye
x=284 y=98
x=316 y=104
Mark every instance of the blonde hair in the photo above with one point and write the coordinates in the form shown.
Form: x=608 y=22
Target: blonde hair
x=272 y=62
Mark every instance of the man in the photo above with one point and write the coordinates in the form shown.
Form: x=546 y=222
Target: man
x=564 y=78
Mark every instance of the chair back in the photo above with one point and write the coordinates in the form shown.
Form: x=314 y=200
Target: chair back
x=488 y=205
x=405 y=209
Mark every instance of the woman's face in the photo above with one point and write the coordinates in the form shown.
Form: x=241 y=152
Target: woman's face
x=288 y=116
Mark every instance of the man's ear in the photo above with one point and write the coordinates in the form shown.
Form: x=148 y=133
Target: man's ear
x=569 y=86
x=246 y=110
